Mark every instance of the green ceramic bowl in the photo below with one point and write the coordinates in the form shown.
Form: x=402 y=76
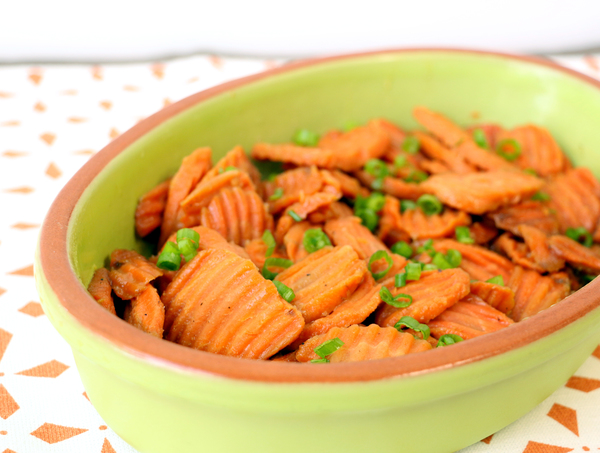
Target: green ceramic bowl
x=162 y=397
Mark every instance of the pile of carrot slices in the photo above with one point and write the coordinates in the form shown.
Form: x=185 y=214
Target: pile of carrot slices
x=372 y=242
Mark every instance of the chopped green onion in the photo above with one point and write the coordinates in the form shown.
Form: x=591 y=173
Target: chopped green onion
x=189 y=234
x=272 y=177
x=294 y=216
x=284 y=291
x=226 y=169
x=430 y=204
x=395 y=301
x=440 y=261
x=530 y=171
x=275 y=262
x=403 y=249
x=454 y=257
x=378 y=255
x=277 y=194
x=269 y=241
x=509 y=149
x=406 y=205
x=377 y=168
x=448 y=339
x=416 y=176
x=320 y=361
x=426 y=247
x=497 y=280
x=314 y=239
x=305 y=137
x=411 y=145
x=368 y=217
x=187 y=248
x=480 y=138
x=580 y=235
x=540 y=196
x=463 y=235
x=377 y=184
x=413 y=271
x=328 y=347
x=412 y=323
x=366 y=209
x=399 y=162
x=429 y=267
x=169 y=258
x=400 y=280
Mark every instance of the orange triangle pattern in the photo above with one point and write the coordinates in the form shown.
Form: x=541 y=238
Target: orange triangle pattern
x=32 y=309
x=592 y=62
x=5 y=95
x=39 y=107
x=8 y=450
x=4 y=340
x=106 y=105
x=76 y=119
x=26 y=271
x=131 y=88
x=8 y=405
x=158 y=70
x=35 y=76
x=50 y=369
x=107 y=447
x=69 y=92
x=2 y=291
x=53 y=434
x=487 y=440
x=565 y=416
x=53 y=171
x=113 y=133
x=23 y=190
x=24 y=226
x=215 y=61
x=11 y=153
x=536 y=447
x=86 y=397
x=596 y=353
x=583 y=384
x=48 y=138
x=10 y=123
x=97 y=73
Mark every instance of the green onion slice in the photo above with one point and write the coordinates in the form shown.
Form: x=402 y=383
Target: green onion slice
x=406 y=205
x=305 y=137
x=294 y=216
x=448 y=339
x=399 y=162
x=377 y=168
x=277 y=194
x=454 y=257
x=368 y=217
x=274 y=262
x=187 y=248
x=170 y=258
x=284 y=291
x=269 y=241
x=580 y=235
x=320 y=361
x=328 y=347
x=426 y=247
x=412 y=323
x=378 y=255
x=480 y=138
x=399 y=301
x=400 y=280
x=411 y=145
x=497 y=280
x=430 y=267
x=416 y=176
x=413 y=271
x=377 y=184
x=540 y=196
x=463 y=235
x=403 y=249
x=189 y=234
x=440 y=261
x=530 y=171
x=509 y=149
x=314 y=239
x=430 y=204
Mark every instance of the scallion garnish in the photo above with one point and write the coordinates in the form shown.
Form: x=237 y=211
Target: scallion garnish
x=398 y=301
x=413 y=271
x=411 y=145
x=377 y=168
x=269 y=241
x=294 y=216
x=226 y=169
x=277 y=194
x=274 y=262
x=305 y=137
x=366 y=209
x=406 y=205
x=480 y=139
x=427 y=247
x=314 y=239
x=454 y=257
x=319 y=361
x=377 y=184
x=448 y=339
x=284 y=291
x=189 y=234
x=580 y=235
x=440 y=261
x=416 y=176
x=400 y=280
x=429 y=267
x=497 y=280
x=412 y=323
x=463 y=235
x=369 y=218
x=429 y=204
x=187 y=248
x=379 y=255
x=403 y=249
x=399 y=162
x=170 y=258
x=540 y=196
x=509 y=149
x=327 y=348
x=530 y=171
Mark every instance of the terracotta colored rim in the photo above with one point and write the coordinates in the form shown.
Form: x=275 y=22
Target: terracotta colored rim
x=76 y=300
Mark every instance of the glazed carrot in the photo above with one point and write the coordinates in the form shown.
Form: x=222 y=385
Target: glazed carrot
x=482 y=232
x=533 y=213
x=146 y=312
x=574 y=197
x=518 y=252
x=239 y=159
x=238 y=215
x=323 y=279
x=396 y=134
x=393 y=186
x=211 y=239
x=293 y=154
x=435 y=150
x=256 y=250
x=478 y=193
x=491 y=132
x=433 y=293
x=390 y=222
x=469 y=318
x=433 y=167
x=349 y=186
x=364 y=343
x=421 y=226
x=100 y=289
x=335 y=210
x=193 y=168
x=534 y=293
x=227 y=307
x=292 y=186
x=539 y=249
x=149 y=211
x=293 y=241
x=130 y=272
x=575 y=254
x=502 y=298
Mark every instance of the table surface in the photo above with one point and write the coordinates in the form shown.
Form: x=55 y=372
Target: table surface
x=53 y=118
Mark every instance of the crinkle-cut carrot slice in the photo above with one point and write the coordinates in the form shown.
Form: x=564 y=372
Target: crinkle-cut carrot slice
x=469 y=318
x=335 y=210
x=539 y=151
x=238 y=215
x=350 y=187
x=293 y=154
x=532 y=213
x=206 y=191
x=150 y=208
x=451 y=159
x=479 y=262
x=492 y=132
x=227 y=307
x=293 y=240
x=323 y=279
x=289 y=357
x=363 y=343
x=130 y=272
x=397 y=135
x=502 y=298
x=422 y=226
x=482 y=158
x=295 y=184
x=539 y=247
x=354 y=310
x=574 y=197
x=393 y=186
x=518 y=252
x=534 y=292
x=193 y=168
x=349 y=231
x=432 y=294
x=390 y=221
x=146 y=312
x=575 y=254
x=237 y=158
x=478 y=193
x=256 y=251
x=433 y=167
x=482 y=232
x=101 y=290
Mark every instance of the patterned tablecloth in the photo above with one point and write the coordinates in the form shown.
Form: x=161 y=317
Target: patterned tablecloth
x=52 y=119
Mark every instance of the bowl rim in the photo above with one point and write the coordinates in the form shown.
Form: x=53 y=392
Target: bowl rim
x=71 y=294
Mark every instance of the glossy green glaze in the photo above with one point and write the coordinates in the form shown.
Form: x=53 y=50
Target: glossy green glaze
x=161 y=408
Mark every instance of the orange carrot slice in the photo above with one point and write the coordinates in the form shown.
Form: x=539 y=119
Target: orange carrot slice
x=239 y=159
x=146 y=312
x=349 y=186
x=451 y=160
x=421 y=226
x=433 y=167
x=482 y=232
x=432 y=294
x=227 y=307
x=363 y=343
x=491 y=131
x=502 y=298
x=323 y=279
x=397 y=135
x=540 y=250
x=100 y=289
x=293 y=241
x=390 y=222
x=293 y=154
x=256 y=249
x=149 y=211
x=575 y=254
x=130 y=272
x=532 y=213
x=294 y=186
x=335 y=210
x=518 y=252
x=393 y=186
x=211 y=239
x=482 y=192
